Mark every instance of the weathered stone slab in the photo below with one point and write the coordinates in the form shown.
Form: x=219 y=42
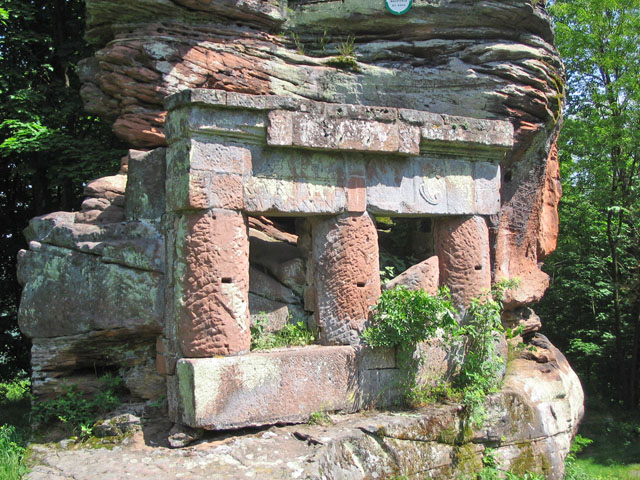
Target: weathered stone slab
x=285 y=385
x=206 y=174
x=312 y=131
x=145 y=191
x=68 y=293
x=297 y=181
x=432 y=186
x=131 y=244
x=272 y=314
x=266 y=286
x=423 y=276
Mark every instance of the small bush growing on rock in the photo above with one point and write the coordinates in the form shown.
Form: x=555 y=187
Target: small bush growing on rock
x=404 y=318
x=73 y=409
x=291 y=335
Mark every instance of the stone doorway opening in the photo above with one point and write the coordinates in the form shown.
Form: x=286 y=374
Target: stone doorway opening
x=278 y=261
x=407 y=252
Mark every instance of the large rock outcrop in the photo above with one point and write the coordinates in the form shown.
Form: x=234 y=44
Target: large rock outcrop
x=334 y=112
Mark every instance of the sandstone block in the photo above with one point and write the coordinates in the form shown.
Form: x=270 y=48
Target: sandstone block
x=292 y=273
x=67 y=293
x=345 y=256
x=267 y=227
x=145 y=192
x=211 y=275
x=275 y=315
x=111 y=214
x=107 y=187
x=433 y=185
x=266 y=286
x=462 y=246
x=314 y=131
x=262 y=386
x=423 y=276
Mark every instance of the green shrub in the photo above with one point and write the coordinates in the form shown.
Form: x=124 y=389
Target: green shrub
x=404 y=318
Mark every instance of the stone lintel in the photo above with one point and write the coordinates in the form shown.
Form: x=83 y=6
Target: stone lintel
x=284 y=385
x=306 y=130
x=348 y=127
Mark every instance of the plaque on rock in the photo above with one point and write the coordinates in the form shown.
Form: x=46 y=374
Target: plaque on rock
x=398 y=7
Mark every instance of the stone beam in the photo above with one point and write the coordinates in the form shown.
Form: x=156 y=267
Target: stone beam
x=280 y=155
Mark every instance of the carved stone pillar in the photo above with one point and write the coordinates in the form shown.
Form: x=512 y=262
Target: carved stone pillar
x=462 y=246
x=345 y=252
x=211 y=283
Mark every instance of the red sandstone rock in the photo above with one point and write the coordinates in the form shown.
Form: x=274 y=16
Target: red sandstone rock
x=345 y=250
x=423 y=276
x=462 y=246
x=211 y=304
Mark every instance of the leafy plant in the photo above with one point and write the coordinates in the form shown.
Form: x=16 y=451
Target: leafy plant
x=480 y=369
x=290 y=335
x=15 y=403
x=12 y=466
x=404 y=318
x=320 y=418
x=346 y=57
x=491 y=470
x=77 y=411
x=298 y=43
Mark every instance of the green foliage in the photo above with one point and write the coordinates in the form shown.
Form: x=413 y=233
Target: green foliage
x=291 y=335
x=48 y=145
x=608 y=447
x=15 y=403
x=76 y=410
x=320 y=418
x=491 y=471
x=12 y=450
x=404 y=318
x=592 y=307
x=346 y=58
x=482 y=364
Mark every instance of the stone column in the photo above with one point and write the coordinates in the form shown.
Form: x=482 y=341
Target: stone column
x=462 y=246
x=347 y=276
x=212 y=283
x=209 y=252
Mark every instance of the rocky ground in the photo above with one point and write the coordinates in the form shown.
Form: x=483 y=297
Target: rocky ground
x=529 y=427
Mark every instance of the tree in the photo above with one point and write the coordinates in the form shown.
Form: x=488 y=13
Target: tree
x=49 y=147
x=591 y=304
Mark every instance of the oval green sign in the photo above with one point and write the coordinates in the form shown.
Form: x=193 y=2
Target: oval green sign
x=398 y=7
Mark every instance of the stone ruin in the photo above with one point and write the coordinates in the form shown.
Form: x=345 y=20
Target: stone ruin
x=265 y=151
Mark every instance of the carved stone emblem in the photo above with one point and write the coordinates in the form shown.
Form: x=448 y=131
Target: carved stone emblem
x=433 y=190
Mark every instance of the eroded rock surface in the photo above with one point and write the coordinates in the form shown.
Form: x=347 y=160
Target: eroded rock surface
x=529 y=428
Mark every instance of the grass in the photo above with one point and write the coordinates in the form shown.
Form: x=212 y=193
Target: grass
x=15 y=404
x=614 y=451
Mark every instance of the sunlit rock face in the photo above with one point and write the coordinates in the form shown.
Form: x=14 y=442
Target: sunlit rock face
x=493 y=60
x=269 y=141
